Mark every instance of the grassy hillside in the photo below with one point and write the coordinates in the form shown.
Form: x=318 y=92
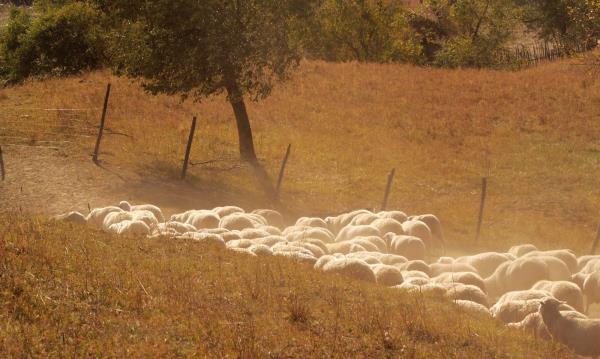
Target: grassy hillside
x=71 y=292
x=533 y=133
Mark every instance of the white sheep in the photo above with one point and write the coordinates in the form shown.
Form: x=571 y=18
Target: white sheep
x=456 y=291
x=581 y=335
x=295 y=233
x=564 y=291
x=311 y=222
x=273 y=217
x=387 y=275
x=72 y=217
x=350 y=267
x=469 y=278
x=130 y=227
x=565 y=255
x=203 y=219
x=237 y=221
x=591 y=289
x=434 y=225
x=485 y=263
x=350 y=232
x=522 y=249
x=439 y=268
x=126 y=206
x=410 y=247
x=388 y=225
x=416 y=265
x=227 y=210
x=364 y=219
x=397 y=215
x=523 y=273
x=96 y=217
x=472 y=307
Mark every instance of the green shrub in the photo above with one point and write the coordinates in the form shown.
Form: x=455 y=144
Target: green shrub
x=61 y=41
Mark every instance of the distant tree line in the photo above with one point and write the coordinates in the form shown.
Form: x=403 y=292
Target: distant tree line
x=242 y=47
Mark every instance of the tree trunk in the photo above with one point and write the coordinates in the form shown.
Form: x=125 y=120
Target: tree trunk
x=236 y=100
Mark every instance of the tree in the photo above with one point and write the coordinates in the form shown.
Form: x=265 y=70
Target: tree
x=568 y=23
x=203 y=48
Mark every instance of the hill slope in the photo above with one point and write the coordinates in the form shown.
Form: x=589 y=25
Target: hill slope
x=72 y=292
x=533 y=133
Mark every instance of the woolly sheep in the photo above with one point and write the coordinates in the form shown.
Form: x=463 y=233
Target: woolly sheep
x=565 y=255
x=485 y=263
x=320 y=263
x=72 y=217
x=581 y=335
x=522 y=249
x=270 y=240
x=514 y=311
x=535 y=324
x=439 y=268
x=311 y=222
x=210 y=239
x=230 y=236
x=434 y=225
x=97 y=215
x=393 y=259
x=418 y=229
x=564 y=291
x=130 y=227
x=369 y=257
x=416 y=281
x=469 y=292
x=410 y=247
x=227 y=210
x=414 y=274
x=253 y=233
x=295 y=233
x=523 y=273
x=472 y=307
x=335 y=224
x=591 y=289
x=300 y=257
x=350 y=232
x=591 y=266
x=387 y=275
x=445 y=260
x=126 y=206
x=397 y=215
x=416 y=265
x=203 y=219
x=237 y=221
x=388 y=225
x=261 y=250
x=364 y=219
x=350 y=267
x=467 y=278
x=583 y=260
x=273 y=217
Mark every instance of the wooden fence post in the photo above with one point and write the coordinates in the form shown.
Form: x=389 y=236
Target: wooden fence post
x=104 y=108
x=596 y=240
x=481 y=207
x=388 y=188
x=282 y=170
x=2 y=164
x=188 y=148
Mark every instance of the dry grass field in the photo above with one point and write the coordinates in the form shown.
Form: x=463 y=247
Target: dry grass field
x=68 y=291
x=533 y=133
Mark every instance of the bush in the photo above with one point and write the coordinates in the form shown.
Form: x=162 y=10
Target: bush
x=61 y=41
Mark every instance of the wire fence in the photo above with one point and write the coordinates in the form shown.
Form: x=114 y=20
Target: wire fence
x=542 y=52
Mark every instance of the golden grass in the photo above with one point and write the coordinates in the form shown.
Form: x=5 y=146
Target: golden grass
x=533 y=133
x=68 y=291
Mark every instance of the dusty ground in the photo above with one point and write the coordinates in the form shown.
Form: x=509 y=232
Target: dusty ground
x=53 y=180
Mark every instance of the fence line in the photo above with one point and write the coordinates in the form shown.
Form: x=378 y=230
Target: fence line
x=523 y=56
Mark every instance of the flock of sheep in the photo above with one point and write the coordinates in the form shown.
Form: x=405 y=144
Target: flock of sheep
x=545 y=292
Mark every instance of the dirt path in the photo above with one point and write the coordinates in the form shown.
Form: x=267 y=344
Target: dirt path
x=50 y=181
